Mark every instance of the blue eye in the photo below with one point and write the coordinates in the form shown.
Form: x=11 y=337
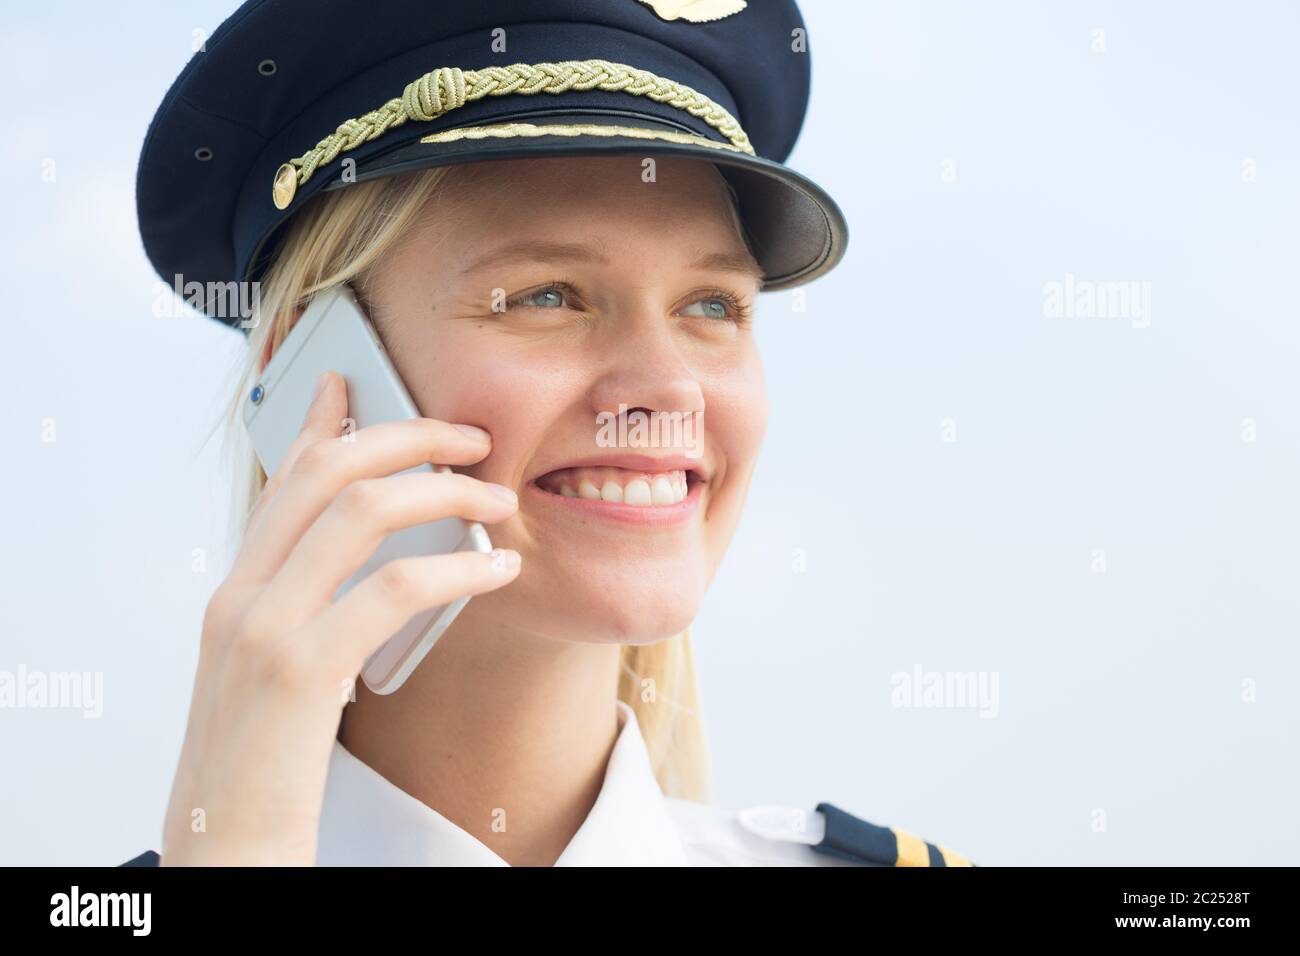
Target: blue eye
x=719 y=305
x=551 y=297
x=714 y=305
x=713 y=308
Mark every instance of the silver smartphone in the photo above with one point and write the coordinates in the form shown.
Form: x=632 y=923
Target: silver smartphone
x=334 y=333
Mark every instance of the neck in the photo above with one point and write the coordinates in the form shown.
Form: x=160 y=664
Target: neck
x=505 y=733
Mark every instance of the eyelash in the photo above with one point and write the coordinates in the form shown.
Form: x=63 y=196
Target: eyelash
x=739 y=312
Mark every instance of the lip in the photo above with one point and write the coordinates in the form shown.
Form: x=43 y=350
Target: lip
x=635 y=516
x=648 y=463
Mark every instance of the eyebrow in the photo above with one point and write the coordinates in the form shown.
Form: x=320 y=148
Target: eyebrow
x=740 y=263
x=544 y=251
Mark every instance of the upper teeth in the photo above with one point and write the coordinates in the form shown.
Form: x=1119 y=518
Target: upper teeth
x=617 y=484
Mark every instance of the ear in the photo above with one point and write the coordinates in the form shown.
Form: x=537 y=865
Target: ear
x=266 y=346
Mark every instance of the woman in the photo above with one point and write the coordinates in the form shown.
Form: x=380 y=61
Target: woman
x=539 y=245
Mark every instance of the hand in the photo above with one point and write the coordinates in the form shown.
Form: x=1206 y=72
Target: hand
x=278 y=654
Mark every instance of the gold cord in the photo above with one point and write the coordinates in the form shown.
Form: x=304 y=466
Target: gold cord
x=512 y=130
x=448 y=88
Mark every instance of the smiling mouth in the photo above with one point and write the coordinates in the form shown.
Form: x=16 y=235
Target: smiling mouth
x=625 y=486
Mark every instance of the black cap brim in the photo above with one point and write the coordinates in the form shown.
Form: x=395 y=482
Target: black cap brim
x=290 y=98
x=796 y=231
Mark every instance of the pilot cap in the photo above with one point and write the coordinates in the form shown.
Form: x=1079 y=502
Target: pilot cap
x=293 y=97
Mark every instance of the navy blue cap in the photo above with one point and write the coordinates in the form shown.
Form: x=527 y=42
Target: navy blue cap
x=292 y=97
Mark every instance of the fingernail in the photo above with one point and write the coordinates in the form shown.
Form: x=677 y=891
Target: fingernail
x=474 y=432
x=319 y=386
x=501 y=491
x=504 y=560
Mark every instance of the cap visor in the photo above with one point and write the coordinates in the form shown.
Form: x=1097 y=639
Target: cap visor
x=796 y=231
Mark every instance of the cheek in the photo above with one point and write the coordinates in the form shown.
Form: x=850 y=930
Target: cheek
x=736 y=414
x=460 y=374
x=735 y=421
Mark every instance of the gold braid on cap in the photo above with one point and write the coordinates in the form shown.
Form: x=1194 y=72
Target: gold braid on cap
x=442 y=90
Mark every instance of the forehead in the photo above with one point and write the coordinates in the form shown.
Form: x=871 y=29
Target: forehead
x=608 y=203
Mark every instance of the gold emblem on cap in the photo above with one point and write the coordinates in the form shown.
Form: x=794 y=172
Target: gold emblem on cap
x=696 y=11
x=286 y=184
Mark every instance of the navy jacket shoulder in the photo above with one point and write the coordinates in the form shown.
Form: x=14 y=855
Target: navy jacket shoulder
x=147 y=858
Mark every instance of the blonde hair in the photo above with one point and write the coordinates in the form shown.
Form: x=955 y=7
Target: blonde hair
x=337 y=237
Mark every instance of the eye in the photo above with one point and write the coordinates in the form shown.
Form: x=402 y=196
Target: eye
x=709 y=308
x=720 y=306
x=715 y=304
x=557 y=295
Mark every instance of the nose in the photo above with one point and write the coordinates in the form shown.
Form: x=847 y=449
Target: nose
x=647 y=367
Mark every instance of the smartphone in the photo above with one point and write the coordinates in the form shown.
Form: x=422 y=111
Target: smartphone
x=335 y=333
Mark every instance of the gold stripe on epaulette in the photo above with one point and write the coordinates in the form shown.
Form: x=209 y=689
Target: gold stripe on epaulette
x=439 y=91
x=511 y=130
x=912 y=850
x=952 y=857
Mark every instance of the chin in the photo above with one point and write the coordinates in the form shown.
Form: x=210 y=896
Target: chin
x=627 y=624
x=625 y=601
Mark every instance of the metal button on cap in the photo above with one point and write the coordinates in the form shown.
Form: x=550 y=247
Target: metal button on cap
x=286 y=184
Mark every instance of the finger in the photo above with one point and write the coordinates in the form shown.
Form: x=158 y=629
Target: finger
x=324 y=419
x=324 y=468
x=355 y=626
x=360 y=517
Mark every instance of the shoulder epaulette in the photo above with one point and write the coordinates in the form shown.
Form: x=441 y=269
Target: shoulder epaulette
x=147 y=858
x=851 y=838
x=836 y=833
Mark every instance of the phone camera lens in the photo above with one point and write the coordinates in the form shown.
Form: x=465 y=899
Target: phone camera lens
x=256 y=396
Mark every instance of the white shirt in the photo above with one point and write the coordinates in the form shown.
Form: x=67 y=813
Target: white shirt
x=368 y=821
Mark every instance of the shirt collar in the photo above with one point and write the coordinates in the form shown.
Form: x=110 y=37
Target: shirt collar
x=368 y=821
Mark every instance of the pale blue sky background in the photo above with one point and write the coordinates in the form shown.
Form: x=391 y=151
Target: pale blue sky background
x=1120 y=693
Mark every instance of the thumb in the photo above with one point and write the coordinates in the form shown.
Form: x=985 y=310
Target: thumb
x=325 y=413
